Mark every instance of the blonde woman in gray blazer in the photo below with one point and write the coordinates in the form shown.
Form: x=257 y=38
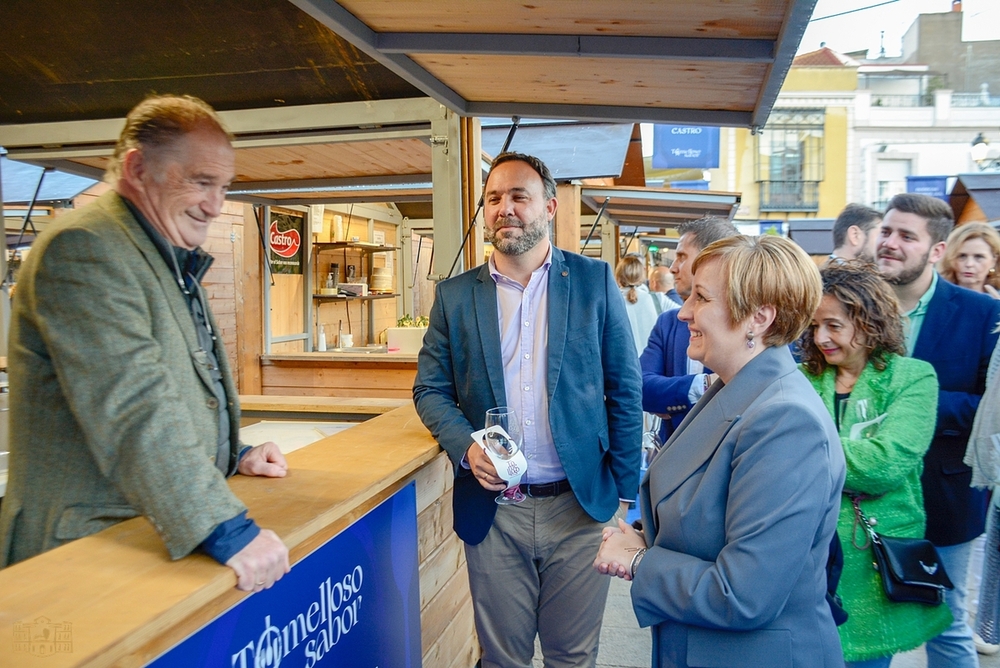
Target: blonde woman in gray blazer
x=740 y=505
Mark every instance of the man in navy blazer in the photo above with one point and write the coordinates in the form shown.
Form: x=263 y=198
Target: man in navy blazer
x=954 y=329
x=671 y=383
x=545 y=332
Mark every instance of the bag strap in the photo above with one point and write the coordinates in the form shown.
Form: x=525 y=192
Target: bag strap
x=861 y=521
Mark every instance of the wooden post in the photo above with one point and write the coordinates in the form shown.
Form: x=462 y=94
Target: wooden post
x=249 y=288
x=472 y=187
x=567 y=224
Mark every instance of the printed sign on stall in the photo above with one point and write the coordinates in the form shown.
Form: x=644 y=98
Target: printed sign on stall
x=685 y=147
x=354 y=602
x=284 y=236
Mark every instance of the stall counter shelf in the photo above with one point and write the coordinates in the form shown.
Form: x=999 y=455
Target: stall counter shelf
x=127 y=602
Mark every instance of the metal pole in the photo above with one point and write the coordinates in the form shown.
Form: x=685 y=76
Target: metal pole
x=515 y=121
x=594 y=226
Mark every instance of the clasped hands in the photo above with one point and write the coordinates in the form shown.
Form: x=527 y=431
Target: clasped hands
x=618 y=547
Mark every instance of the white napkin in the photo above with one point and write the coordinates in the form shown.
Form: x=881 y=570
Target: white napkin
x=512 y=469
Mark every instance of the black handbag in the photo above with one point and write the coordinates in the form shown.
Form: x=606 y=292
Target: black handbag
x=910 y=568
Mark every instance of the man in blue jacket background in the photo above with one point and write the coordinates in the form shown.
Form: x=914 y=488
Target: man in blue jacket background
x=672 y=383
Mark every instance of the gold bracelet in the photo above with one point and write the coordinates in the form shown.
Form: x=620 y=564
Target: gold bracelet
x=635 y=561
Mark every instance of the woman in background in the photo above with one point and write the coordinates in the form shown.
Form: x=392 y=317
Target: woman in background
x=854 y=356
x=970 y=260
x=740 y=505
x=983 y=455
x=630 y=275
x=971 y=257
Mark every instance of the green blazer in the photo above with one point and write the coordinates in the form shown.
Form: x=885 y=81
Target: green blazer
x=889 y=464
x=111 y=409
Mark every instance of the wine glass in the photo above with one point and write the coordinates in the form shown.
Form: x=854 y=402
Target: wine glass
x=503 y=447
x=859 y=415
x=651 y=442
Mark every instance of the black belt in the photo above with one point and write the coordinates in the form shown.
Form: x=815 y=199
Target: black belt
x=546 y=489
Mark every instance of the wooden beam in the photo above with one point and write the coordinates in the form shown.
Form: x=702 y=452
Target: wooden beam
x=249 y=298
x=567 y=223
x=472 y=186
x=633 y=171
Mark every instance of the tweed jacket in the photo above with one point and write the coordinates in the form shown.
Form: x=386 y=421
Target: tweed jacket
x=886 y=465
x=739 y=508
x=111 y=405
x=593 y=386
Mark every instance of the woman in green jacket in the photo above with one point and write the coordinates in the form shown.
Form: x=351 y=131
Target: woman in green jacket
x=884 y=405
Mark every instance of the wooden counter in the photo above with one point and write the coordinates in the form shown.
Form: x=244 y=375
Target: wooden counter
x=381 y=375
x=256 y=407
x=127 y=602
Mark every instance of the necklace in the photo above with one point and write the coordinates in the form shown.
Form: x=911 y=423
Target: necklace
x=843 y=385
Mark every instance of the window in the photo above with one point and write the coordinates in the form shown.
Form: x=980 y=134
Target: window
x=790 y=160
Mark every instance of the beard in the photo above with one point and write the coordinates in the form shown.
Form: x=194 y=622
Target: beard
x=908 y=274
x=864 y=256
x=510 y=244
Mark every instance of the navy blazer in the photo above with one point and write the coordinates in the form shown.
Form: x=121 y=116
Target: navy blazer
x=957 y=338
x=665 y=381
x=593 y=384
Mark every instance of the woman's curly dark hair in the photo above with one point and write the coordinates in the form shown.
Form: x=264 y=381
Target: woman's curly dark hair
x=872 y=308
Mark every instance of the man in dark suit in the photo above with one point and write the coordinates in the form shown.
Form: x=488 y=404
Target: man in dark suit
x=121 y=399
x=672 y=383
x=544 y=332
x=954 y=329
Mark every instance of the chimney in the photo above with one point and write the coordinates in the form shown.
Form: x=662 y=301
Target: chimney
x=956 y=5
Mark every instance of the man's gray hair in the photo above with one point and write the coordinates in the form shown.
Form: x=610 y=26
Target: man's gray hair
x=157 y=122
x=707 y=230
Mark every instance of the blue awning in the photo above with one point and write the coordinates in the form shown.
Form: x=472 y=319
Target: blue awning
x=19 y=181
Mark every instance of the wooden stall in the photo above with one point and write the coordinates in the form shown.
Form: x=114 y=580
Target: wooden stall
x=118 y=600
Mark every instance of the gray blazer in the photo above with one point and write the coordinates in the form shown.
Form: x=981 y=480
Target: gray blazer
x=739 y=509
x=111 y=404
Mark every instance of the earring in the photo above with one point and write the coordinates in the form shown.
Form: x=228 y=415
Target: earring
x=993 y=270
x=750 y=343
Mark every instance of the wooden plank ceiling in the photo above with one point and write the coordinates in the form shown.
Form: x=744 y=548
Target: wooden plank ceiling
x=709 y=62
x=712 y=62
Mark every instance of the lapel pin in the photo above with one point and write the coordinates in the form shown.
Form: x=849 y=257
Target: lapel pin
x=565 y=273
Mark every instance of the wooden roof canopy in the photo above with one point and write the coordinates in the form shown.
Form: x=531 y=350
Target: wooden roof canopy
x=282 y=71
x=710 y=62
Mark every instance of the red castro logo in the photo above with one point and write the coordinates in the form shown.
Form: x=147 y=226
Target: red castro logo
x=284 y=244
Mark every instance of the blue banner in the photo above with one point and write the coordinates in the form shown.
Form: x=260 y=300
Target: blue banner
x=685 y=147
x=354 y=602
x=932 y=186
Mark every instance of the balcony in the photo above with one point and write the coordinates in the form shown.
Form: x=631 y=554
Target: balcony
x=974 y=100
x=789 y=195
x=880 y=100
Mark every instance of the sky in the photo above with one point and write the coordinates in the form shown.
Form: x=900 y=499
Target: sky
x=861 y=29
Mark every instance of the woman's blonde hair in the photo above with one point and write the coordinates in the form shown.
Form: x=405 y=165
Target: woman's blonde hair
x=767 y=271
x=630 y=273
x=959 y=236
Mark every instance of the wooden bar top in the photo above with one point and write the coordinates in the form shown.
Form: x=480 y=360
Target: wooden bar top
x=263 y=403
x=330 y=359
x=127 y=602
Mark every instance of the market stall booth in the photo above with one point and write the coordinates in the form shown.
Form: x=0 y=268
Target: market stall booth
x=324 y=99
